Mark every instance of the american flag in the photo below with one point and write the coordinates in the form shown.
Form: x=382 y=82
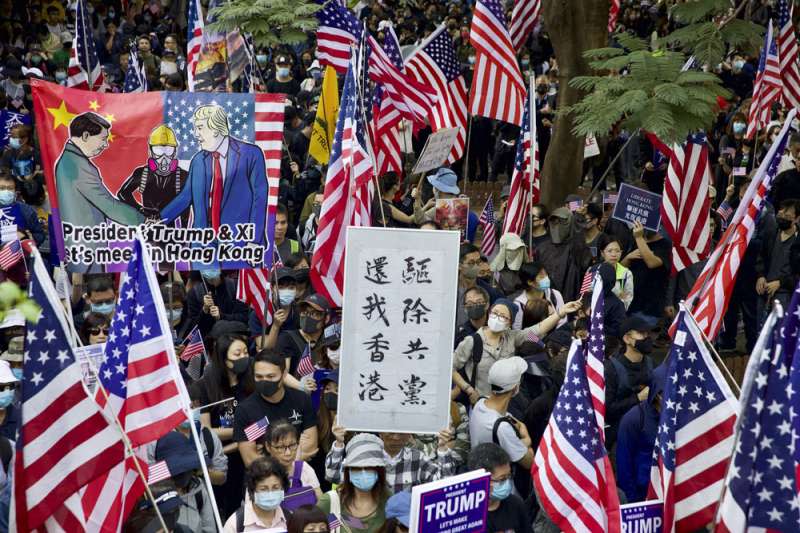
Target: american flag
x=347 y=192
x=64 y=439
x=333 y=522
x=498 y=91
x=685 y=204
x=306 y=364
x=158 y=472
x=767 y=88
x=524 y=18
x=254 y=289
x=194 y=40
x=596 y=355
x=588 y=277
x=787 y=52
x=193 y=353
x=760 y=485
x=142 y=382
x=337 y=32
x=489 y=241
x=613 y=15
x=571 y=471
x=84 y=70
x=710 y=294
x=524 y=193
x=695 y=433
x=386 y=141
x=435 y=64
x=135 y=79
x=256 y=429
x=10 y=254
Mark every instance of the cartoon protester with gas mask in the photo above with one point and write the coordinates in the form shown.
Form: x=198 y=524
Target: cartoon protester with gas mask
x=158 y=181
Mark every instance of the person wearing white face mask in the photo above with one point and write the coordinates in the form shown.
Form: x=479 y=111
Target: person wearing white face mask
x=8 y=411
x=475 y=355
x=284 y=81
x=285 y=316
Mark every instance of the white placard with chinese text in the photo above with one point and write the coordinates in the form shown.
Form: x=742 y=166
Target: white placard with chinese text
x=397 y=329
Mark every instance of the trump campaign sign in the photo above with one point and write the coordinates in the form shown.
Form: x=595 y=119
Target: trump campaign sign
x=453 y=504
x=198 y=173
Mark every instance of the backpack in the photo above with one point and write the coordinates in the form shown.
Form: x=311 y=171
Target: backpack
x=477 y=355
x=297 y=494
x=496 y=427
x=5 y=453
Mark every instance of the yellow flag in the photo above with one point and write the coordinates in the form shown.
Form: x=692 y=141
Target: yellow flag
x=325 y=123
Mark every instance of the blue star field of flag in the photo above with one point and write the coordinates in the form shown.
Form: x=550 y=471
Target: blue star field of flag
x=443 y=53
x=351 y=110
x=573 y=412
x=336 y=16
x=135 y=321
x=522 y=146
x=180 y=107
x=85 y=41
x=135 y=80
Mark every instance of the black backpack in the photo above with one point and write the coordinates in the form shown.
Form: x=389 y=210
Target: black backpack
x=477 y=355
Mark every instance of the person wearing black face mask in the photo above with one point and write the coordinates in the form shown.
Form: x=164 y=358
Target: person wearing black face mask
x=476 y=306
x=775 y=280
x=275 y=401
x=628 y=373
x=293 y=344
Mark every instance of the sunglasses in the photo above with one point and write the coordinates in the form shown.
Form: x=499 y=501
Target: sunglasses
x=96 y=331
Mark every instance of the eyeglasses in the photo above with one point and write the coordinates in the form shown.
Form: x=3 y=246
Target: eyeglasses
x=499 y=317
x=475 y=304
x=472 y=263
x=313 y=314
x=163 y=150
x=285 y=448
x=96 y=331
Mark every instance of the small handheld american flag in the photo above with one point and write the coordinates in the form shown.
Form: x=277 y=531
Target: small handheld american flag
x=256 y=429
x=158 y=472
x=586 y=284
x=489 y=242
x=193 y=353
x=306 y=364
x=10 y=254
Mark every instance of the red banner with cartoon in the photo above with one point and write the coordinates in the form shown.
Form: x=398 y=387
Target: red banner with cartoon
x=198 y=173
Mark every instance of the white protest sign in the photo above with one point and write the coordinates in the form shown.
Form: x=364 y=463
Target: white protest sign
x=591 y=148
x=83 y=354
x=436 y=150
x=397 y=329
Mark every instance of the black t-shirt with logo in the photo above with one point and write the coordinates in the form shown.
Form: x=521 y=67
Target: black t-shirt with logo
x=295 y=406
x=510 y=516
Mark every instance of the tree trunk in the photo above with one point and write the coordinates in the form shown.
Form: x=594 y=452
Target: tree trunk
x=581 y=25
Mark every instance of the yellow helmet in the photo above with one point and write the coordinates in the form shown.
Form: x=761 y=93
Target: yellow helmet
x=163 y=136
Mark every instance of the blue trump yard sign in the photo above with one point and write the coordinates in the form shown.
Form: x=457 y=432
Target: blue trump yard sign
x=454 y=504
x=642 y=517
x=634 y=204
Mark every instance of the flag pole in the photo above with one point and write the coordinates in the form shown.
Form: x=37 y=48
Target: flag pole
x=172 y=361
x=531 y=164
x=466 y=155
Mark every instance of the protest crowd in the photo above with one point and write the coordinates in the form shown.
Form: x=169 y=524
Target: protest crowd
x=572 y=282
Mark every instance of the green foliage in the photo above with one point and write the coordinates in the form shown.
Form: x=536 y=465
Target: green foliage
x=12 y=297
x=653 y=92
x=270 y=22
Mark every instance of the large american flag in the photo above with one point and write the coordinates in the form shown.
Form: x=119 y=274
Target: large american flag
x=767 y=88
x=194 y=40
x=595 y=356
x=64 y=439
x=685 y=204
x=524 y=18
x=347 y=192
x=386 y=120
x=695 y=433
x=710 y=294
x=253 y=289
x=84 y=70
x=788 y=53
x=760 y=485
x=489 y=241
x=498 y=91
x=139 y=383
x=135 y=79
x=571 y=471
x=435 y=64
x=524 y=191
x=337 y=32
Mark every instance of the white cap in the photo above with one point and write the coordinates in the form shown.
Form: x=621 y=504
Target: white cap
x=505 y=374
x=6 y=375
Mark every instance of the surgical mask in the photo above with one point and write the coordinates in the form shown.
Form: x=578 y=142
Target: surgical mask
x=544 y=284
x=61 y=76
x=267 y=388
x=174 y=315
x=268 y=500
x=210 y=274
x=470 y=271
x=14 y=142
x=330 y=399
x=738 y=64
x=241 y=365
x=261 y=58
x=6 y=397
x=364 y=480
x=309 y=325
x=35 y=60
x=739 y=127
x=476 y=312
x=104 y=309
x=286 y=296
x=283 y=72
x=644 y=346
x=112 y=13
x=17 y=373
x=526 y=63
x=195 y=419
x=784 y=224
x=334 y=355
x=501 y=490
x=7 y=197
x=497 y=325
x=471 y=60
